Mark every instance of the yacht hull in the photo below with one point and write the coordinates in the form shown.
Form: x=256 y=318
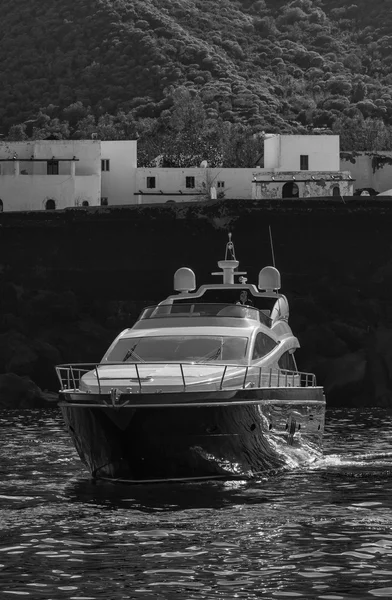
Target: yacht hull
x=190 y=436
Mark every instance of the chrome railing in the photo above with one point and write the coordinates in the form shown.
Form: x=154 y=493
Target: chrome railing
x=177 y=377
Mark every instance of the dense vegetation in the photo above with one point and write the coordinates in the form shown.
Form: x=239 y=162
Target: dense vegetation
x=203 y=77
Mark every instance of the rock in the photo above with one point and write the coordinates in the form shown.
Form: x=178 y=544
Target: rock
x=343 y=377
x=320 y=340
x=16 y=355
x=9 y=321
x=20 y=392
x=29 y=356
x=51 y=397
x=48 y=305
x=48 y=357
x=8 y=297
x=380 y=366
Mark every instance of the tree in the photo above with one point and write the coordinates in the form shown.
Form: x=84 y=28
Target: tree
x=188 y=111
x=363 y=135
x=75 y=112
x=151 y=142
x=359 y=92
x=189 y=139
x=241 y=146
x=338 y=86
x=17 y=133
x=106 y=127
x=45 y=126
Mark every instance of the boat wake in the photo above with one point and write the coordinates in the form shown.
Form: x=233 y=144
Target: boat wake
x=376 y=461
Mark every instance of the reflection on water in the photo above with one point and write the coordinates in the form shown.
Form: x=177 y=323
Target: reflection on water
x=320 y=532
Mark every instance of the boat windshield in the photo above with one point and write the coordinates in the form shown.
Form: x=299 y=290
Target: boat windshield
x=175 y=348
x=191 y=309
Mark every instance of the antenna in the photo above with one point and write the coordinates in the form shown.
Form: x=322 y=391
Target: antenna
x=230 y=253
x=272 y=245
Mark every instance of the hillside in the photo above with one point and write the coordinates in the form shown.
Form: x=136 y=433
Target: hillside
x=122 y=68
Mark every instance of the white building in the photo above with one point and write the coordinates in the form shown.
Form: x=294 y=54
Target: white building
x=56 y=174
x=371 y=170
x=157 y=185
x=301 y=166
x=295 y=166
x=49 y=174
x=301 y=152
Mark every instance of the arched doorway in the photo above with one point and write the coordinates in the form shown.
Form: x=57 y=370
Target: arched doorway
x=85 y=203
x=290 y=190
x=50 y=205
x=1 y=205
x=336 y=190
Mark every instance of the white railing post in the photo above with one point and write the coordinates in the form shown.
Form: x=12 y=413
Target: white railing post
x=223 y=377
x=73 y=378
x=138 y=378
x=183 y=378
x=98 y=380
x=246 y=375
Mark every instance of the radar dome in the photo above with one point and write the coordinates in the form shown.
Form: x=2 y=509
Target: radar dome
x=269 y=279
x=184 y=280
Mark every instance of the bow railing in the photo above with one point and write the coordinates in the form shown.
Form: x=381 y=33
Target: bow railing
x=155 y=377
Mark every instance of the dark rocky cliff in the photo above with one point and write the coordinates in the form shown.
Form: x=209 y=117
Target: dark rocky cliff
x=71 y=280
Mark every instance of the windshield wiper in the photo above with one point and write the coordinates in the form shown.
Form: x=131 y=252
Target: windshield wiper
x=131 y=352
x=213 y=355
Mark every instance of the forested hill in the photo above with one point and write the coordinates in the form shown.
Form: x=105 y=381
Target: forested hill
x=157 y=68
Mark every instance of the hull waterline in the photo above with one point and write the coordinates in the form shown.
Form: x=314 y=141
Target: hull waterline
x=174 y=437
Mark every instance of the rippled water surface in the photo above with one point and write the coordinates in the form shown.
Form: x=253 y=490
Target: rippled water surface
x=321 y=532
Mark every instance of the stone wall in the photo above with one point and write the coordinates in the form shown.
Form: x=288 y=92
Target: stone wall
x=307 y=184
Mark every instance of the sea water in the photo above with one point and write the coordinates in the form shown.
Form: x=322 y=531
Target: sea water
x=320 y=531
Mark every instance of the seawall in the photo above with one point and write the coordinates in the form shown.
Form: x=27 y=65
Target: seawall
x=70 y=280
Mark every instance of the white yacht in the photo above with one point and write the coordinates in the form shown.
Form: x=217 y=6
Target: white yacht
x=204 y=385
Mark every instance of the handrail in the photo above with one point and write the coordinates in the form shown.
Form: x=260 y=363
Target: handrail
x=183 y=377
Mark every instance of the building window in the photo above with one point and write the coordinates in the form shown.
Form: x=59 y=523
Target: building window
x=104 y=201
x=52 y=167
x=105 y=164
x=304 y=162
x=50 y=205
x=189 y=182
x=220 y=184
x=150 y=183
x=290 y=190
x=336 y=190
